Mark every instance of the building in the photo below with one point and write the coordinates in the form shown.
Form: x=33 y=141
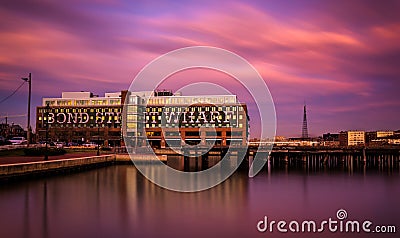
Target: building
x=352 y=138
x=280 y=138
x=374 y=135
x=383 y=134
x=161 y=119
x=377 y=138
x=13 y=130
x=330 y=139
x=394 y=141
x=81 y=117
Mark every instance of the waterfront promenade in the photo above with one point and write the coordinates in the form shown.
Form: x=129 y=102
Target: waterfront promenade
x=26 y=159
x=25 y=166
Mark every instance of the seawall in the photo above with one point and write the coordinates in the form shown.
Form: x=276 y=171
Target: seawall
x=31 y=169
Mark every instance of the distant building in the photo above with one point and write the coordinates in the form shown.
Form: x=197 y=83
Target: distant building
x=394 y=141
x=378 y=137
x=330 y=139
x=7 y=131
x=4 y=130
x=352 y=138
x=380 y=134
x=280 y=138
x=370 y=136
x=395 y=138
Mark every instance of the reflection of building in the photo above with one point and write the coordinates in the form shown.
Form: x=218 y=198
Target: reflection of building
x=172 y=120
x=351 y=138
x=82 y=117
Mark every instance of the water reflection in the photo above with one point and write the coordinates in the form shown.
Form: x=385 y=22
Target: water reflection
x=117 y=201
x=45 y=217
x=26 y=216
x=114 y=202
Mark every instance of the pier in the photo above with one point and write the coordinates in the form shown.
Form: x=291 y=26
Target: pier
x=308 y=156
x=200 y=159
x=374 y=156
x=31 y=169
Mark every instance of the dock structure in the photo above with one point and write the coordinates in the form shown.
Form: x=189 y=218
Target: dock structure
x=332 y=156
x=309 y=156
x=31 y=169
x=201 y=159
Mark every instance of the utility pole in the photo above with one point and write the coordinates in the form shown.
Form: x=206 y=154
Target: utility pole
x=28 y=131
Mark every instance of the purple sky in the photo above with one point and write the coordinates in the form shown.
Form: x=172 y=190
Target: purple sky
x=341 y=57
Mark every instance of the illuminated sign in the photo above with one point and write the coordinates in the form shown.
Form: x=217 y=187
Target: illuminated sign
x=83 y=117
x=192 y=116
x=171 y=116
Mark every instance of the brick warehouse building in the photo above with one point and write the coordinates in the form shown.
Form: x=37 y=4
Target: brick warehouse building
x=82 y=117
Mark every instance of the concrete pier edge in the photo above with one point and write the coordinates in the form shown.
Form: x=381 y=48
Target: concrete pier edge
x=51 y=167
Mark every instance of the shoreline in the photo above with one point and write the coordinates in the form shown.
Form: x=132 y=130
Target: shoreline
x=52 y=166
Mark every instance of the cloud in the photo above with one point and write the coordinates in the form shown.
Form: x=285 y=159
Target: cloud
x=336 y=53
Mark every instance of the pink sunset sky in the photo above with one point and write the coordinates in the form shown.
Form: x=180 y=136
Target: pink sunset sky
x=341 y=57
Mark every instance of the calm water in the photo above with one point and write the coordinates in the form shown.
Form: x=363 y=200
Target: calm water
x=117 y=201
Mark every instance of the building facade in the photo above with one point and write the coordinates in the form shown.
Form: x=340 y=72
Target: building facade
x=376 y=138
x=160 y=119
x=352 y=138
x=330 y=139
x=383 y=134
x=81 y=117
x=11 y=130
x=163 y=119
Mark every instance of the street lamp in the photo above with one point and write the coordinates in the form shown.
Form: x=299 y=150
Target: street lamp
x=46 y=157
x=28 y=134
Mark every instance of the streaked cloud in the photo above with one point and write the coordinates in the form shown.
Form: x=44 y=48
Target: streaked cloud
x=338 y=56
